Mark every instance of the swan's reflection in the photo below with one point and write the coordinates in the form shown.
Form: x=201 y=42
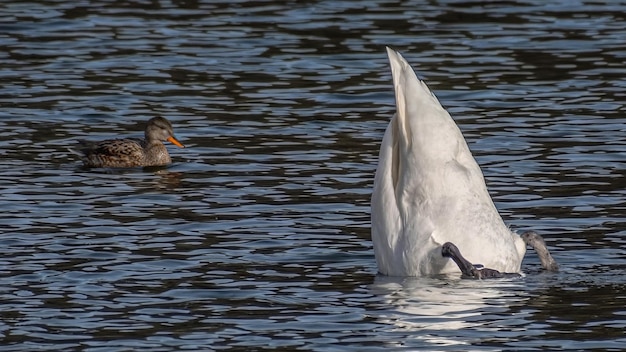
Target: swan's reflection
x=443 y=312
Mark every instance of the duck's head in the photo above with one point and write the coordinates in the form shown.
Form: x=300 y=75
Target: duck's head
x=159 y=128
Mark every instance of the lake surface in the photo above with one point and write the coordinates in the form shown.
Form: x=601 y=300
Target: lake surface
x=258 y=235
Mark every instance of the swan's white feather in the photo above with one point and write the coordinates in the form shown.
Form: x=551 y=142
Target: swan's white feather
x=429 y=190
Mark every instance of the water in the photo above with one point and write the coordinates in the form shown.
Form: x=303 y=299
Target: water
x=258 y=236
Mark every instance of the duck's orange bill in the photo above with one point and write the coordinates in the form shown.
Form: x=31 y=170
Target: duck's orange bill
x=175 y=142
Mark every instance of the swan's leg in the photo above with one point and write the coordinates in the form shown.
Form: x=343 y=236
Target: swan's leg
x=469 y=270
x=449 y=250
x=532 y=239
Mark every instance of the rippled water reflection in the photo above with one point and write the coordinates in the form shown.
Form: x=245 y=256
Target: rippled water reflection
x=258 y=236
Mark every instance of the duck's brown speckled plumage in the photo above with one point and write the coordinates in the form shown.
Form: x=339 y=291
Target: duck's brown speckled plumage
x=133 y=152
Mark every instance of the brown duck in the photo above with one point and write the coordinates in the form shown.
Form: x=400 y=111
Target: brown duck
x=133 y=152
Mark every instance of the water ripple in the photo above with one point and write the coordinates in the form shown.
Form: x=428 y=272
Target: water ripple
x=257 y=236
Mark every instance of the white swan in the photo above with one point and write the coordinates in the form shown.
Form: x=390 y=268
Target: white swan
x=429 y=190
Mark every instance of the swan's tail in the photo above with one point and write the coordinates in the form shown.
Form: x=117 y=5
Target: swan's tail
x=417 y=106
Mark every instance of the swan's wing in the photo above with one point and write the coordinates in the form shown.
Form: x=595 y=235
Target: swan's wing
x=387 y=224
x=401 y=238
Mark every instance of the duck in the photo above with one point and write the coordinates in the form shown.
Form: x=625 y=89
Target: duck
x=130 y=152
x=431 y=212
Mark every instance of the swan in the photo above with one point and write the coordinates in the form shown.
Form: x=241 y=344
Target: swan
x=430 y=201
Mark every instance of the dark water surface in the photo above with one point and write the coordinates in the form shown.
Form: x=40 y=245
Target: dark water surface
x=258 y=236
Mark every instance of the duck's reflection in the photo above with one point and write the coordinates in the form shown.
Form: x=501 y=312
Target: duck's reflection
x=168 y=179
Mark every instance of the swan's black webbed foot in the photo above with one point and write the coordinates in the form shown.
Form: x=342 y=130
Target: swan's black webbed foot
x=469 y=270
x=532 y=239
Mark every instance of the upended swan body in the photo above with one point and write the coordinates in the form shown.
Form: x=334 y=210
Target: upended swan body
x=429 y=191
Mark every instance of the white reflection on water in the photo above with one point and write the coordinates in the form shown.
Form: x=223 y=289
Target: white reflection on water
x=448 y=311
